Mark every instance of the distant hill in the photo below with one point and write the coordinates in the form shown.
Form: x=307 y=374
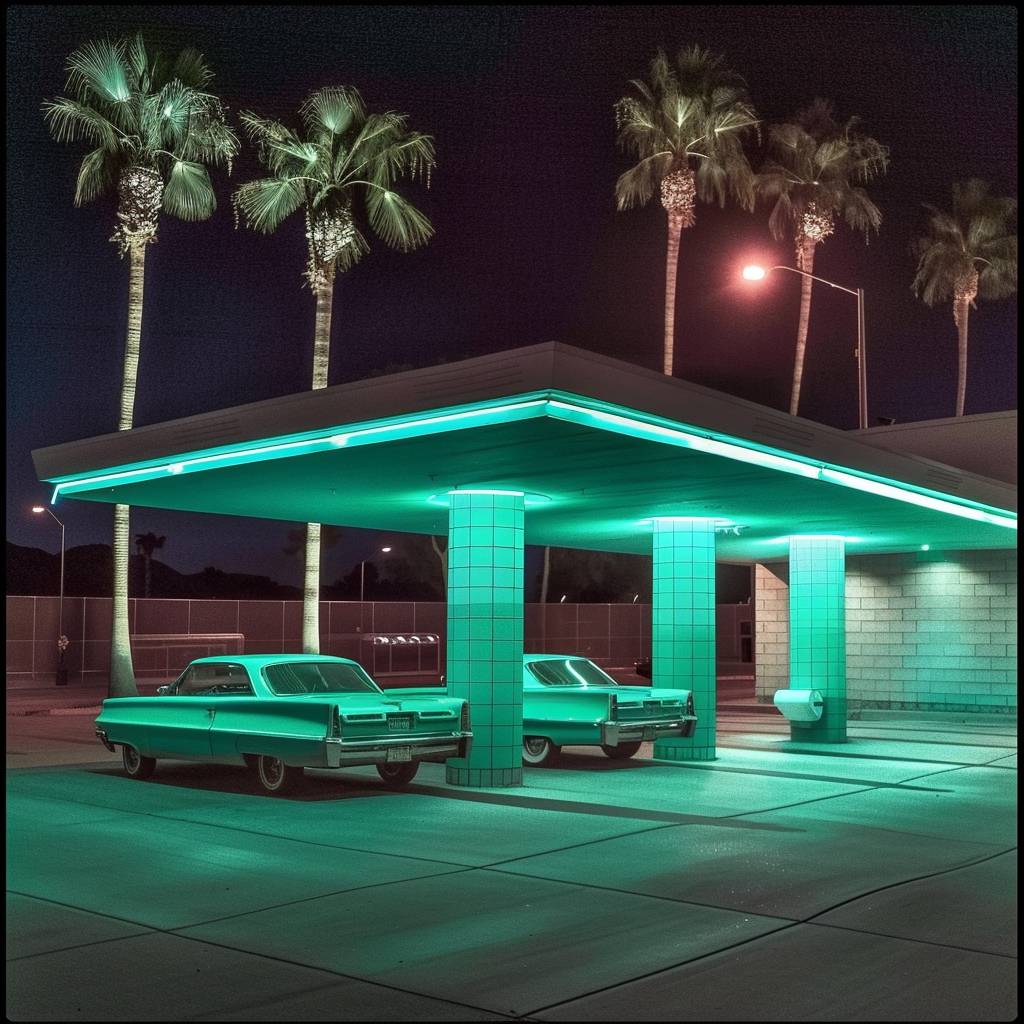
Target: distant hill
x=88 y=572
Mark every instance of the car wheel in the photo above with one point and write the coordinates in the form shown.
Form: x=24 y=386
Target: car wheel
x=135 y=765
x=688 y=728
x=539 y=751
x=622 y=751
x=396 y=776
x=275 y=776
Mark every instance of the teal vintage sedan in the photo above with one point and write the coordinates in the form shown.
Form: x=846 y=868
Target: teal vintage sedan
x=569 y=701
x=281 y=713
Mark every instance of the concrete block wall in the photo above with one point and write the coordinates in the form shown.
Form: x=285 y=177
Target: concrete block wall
x=925 y=631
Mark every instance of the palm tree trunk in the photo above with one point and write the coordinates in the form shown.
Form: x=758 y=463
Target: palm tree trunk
x=807 y=265
x=311 y=577
x=442 y=557
x=675 y=230
x=149 y=562
x=545 y=576
x=961 y=361
x=122 y=672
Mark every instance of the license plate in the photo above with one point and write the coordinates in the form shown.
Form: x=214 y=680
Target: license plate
x=400 y=723
x=648 y=732
x=398 y=754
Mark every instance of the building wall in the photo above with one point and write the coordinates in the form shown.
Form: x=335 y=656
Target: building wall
x=925 y=631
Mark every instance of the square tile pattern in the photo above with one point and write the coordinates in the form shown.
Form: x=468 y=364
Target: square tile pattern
x=485 y=633
x=683 y=627
x=817 y=631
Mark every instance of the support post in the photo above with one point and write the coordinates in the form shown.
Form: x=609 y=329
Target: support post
x=817 y=632
x=683 y=628
x=485 y=632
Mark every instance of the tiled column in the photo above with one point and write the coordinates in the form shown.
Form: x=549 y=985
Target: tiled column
x=485 y=632
x=683 y=628
x=817 y=632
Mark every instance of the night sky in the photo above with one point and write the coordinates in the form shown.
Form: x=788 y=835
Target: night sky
x=528 y=245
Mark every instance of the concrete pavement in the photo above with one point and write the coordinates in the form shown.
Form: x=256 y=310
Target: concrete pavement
x=871 y=881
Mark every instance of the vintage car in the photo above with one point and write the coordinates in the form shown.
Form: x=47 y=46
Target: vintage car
x=569 y=701
x=281 y=713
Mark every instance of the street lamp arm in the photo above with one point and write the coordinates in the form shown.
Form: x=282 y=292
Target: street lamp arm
x=814 y=277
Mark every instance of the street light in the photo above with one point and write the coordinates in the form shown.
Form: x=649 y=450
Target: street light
x=756 y=273
x=362 y=574
x=62 y=677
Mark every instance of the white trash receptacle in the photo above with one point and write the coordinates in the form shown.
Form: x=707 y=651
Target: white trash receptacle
x=800 y=705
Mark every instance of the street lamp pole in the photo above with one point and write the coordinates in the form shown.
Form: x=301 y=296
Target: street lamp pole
x=755 y=273
x=362 y=574
x=60 y=601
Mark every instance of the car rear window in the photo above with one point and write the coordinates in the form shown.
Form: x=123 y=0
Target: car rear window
x=298 y=677
x=570 y=672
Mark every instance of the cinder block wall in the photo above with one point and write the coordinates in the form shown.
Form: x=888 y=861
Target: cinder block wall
x=925 y=631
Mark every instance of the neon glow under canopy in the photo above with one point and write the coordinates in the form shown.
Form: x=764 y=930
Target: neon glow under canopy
x=607 y=444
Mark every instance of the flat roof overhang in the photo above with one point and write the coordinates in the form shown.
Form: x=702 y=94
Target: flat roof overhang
x=599 y=446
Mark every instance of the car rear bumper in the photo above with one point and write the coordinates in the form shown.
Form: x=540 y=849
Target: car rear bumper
x=101 y=735
x=342 y=752
x=614 y=733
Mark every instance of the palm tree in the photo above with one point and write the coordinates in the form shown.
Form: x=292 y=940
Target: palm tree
x=686 y=126
x=969 y=252
x=154 y=129
x=145 y=545
x=342 y=167
x=813 y=173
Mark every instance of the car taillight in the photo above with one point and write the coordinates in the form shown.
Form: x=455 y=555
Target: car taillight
x=465 y=717
x=613 y=707
x=689 y=704
x=336 y=722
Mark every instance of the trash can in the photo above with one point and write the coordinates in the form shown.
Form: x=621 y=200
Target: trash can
x=800 y=705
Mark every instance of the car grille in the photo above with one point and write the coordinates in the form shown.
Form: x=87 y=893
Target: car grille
x=399 y=723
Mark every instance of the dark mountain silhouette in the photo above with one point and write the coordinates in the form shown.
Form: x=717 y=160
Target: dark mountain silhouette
x=88 y=573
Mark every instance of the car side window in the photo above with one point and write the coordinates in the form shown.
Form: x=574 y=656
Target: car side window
x=216 y=679
x=180 y=686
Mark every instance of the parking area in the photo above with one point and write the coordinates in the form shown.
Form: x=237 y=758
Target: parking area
x=871 y=881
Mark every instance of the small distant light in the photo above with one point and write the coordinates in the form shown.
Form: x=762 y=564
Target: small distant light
x=926 y=547
x=339 y=440
x=753 y=273
x=38 y=508
x=563 y=599
x=178 y=467
x=385 y=550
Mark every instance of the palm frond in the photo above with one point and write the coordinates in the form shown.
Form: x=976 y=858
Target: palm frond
x=95 y=176
x=636 y=186
x=137 y=61
x=332 y=110
x=397 y=222
x=267 y=202
x=70 y=120
x=190 y=69
x=97 y=68
x=188 y=194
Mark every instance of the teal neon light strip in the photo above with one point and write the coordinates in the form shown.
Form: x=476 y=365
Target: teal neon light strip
x=633 y=427
x=871 y=486
x=404 y=427
x=567 y=408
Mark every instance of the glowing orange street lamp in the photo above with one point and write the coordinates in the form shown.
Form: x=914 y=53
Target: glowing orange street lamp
x=758 y=273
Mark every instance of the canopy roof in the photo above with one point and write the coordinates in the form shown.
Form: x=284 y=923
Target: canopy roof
x=599 y=446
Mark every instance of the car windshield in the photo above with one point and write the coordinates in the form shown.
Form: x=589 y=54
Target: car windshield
x=297 y=677
x=570 y=672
